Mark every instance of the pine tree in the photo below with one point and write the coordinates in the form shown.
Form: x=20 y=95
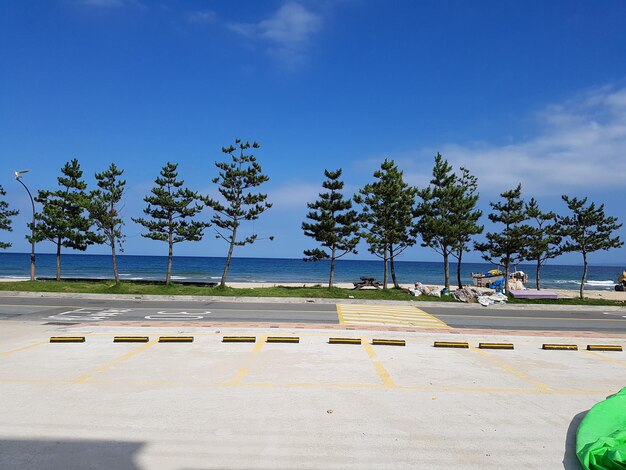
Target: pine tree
x=506 y=246
x=587 y=230
x=236 y=178
x=542 y=240
x=63 y=219
x=334 y=224
x=104 y=209
x=171 y=209
x=466 y=217
x=5 y=217
x=388 y=216
x=447 y=215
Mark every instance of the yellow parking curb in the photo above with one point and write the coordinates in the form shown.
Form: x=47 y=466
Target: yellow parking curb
x=67 y=339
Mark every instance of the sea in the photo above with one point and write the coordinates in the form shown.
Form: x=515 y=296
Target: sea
x=277 y=270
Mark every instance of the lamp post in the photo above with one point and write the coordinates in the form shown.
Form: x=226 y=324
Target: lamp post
x=18 y=177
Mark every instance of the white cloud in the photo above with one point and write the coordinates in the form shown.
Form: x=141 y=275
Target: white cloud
x=581 y=146
x=201 y=16
x=286 y=33
x=293 y=195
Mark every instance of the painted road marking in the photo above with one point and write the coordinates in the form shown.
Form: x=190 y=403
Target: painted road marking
x=509 y=368
x=241 y=373
x=23 y=348
x=383 y=374
x=90 y=314
x=174 y=316
x=405 y=315
x=85 y=377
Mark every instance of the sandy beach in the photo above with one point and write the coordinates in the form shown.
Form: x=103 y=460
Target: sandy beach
x=562 y=293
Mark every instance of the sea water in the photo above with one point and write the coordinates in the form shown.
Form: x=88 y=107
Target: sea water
x=277 y=270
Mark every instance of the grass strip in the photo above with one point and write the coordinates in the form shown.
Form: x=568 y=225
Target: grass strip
x=317 y=292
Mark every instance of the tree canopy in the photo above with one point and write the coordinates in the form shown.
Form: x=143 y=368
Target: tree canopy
x=333 y=224
x=105 y=211
x=6 y=216
x=64 y=219
x=237 y=177
x=447 y=212
x=171 y=209
x=506 y=246
x=587 y=229
x=388 y=216
x=541 y=237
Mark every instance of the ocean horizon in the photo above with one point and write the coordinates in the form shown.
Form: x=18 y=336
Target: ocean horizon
x=209 y=269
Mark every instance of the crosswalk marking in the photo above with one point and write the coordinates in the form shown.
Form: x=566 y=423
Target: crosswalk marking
x=397 y=315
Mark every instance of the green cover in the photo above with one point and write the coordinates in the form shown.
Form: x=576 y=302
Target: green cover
x=601 y=437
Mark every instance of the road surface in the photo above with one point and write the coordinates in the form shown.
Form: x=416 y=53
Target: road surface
x=78 y=310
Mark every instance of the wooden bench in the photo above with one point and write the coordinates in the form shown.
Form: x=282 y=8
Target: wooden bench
x=367 y=282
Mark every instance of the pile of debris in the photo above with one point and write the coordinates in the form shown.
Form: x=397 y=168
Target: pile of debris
x=421 y=289
x=484 y=297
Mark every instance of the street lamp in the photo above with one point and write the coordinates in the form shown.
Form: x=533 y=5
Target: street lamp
x=18 y=177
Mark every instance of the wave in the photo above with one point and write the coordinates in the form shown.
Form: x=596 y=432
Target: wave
x=601 y=283
x=588 y=283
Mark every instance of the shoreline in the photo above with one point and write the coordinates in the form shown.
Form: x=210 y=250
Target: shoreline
x=562 y=293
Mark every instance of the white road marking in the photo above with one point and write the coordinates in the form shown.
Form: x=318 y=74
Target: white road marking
x=83 y=314
x=165 y=316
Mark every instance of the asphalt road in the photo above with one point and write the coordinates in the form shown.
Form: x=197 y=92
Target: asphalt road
x=518 y=319
x=84 y=310
x=457 y=316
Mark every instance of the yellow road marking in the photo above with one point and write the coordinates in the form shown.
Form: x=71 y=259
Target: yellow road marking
x=605 y=358
x=241 y=373
x=340 y=314
x=23 y=348
x=107 y=366
x=364 y=314
x=383 y=374
x=490 y=390
x=509 y=368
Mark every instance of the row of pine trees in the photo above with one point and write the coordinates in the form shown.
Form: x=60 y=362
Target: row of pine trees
x=393 y=216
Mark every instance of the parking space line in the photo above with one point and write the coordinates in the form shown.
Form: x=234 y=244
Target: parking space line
x=605 y=358
x=23 y=348
x=105 y=367
x=241 y=373
x=509 y=368
x=383 y=374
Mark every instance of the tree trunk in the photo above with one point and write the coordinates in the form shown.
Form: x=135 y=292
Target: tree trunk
x=458 y=269
x=168 y=274
x=507 y=261
x=446 y=269
x=538 y=274
x=114 y=258
x=394 y=279
x=230 y=254
x=582 y=283
x=332 y=268
x=58 y=275
x=385 y=272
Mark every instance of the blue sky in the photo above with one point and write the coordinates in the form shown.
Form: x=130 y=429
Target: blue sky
x=516 y=91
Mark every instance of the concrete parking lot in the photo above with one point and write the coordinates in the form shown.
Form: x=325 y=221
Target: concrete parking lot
x=209 y=404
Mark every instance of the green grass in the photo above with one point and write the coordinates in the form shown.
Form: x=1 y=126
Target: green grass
x=131 y=288
x=109 y=287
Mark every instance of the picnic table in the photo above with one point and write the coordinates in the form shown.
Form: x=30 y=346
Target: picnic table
x=367 y=282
